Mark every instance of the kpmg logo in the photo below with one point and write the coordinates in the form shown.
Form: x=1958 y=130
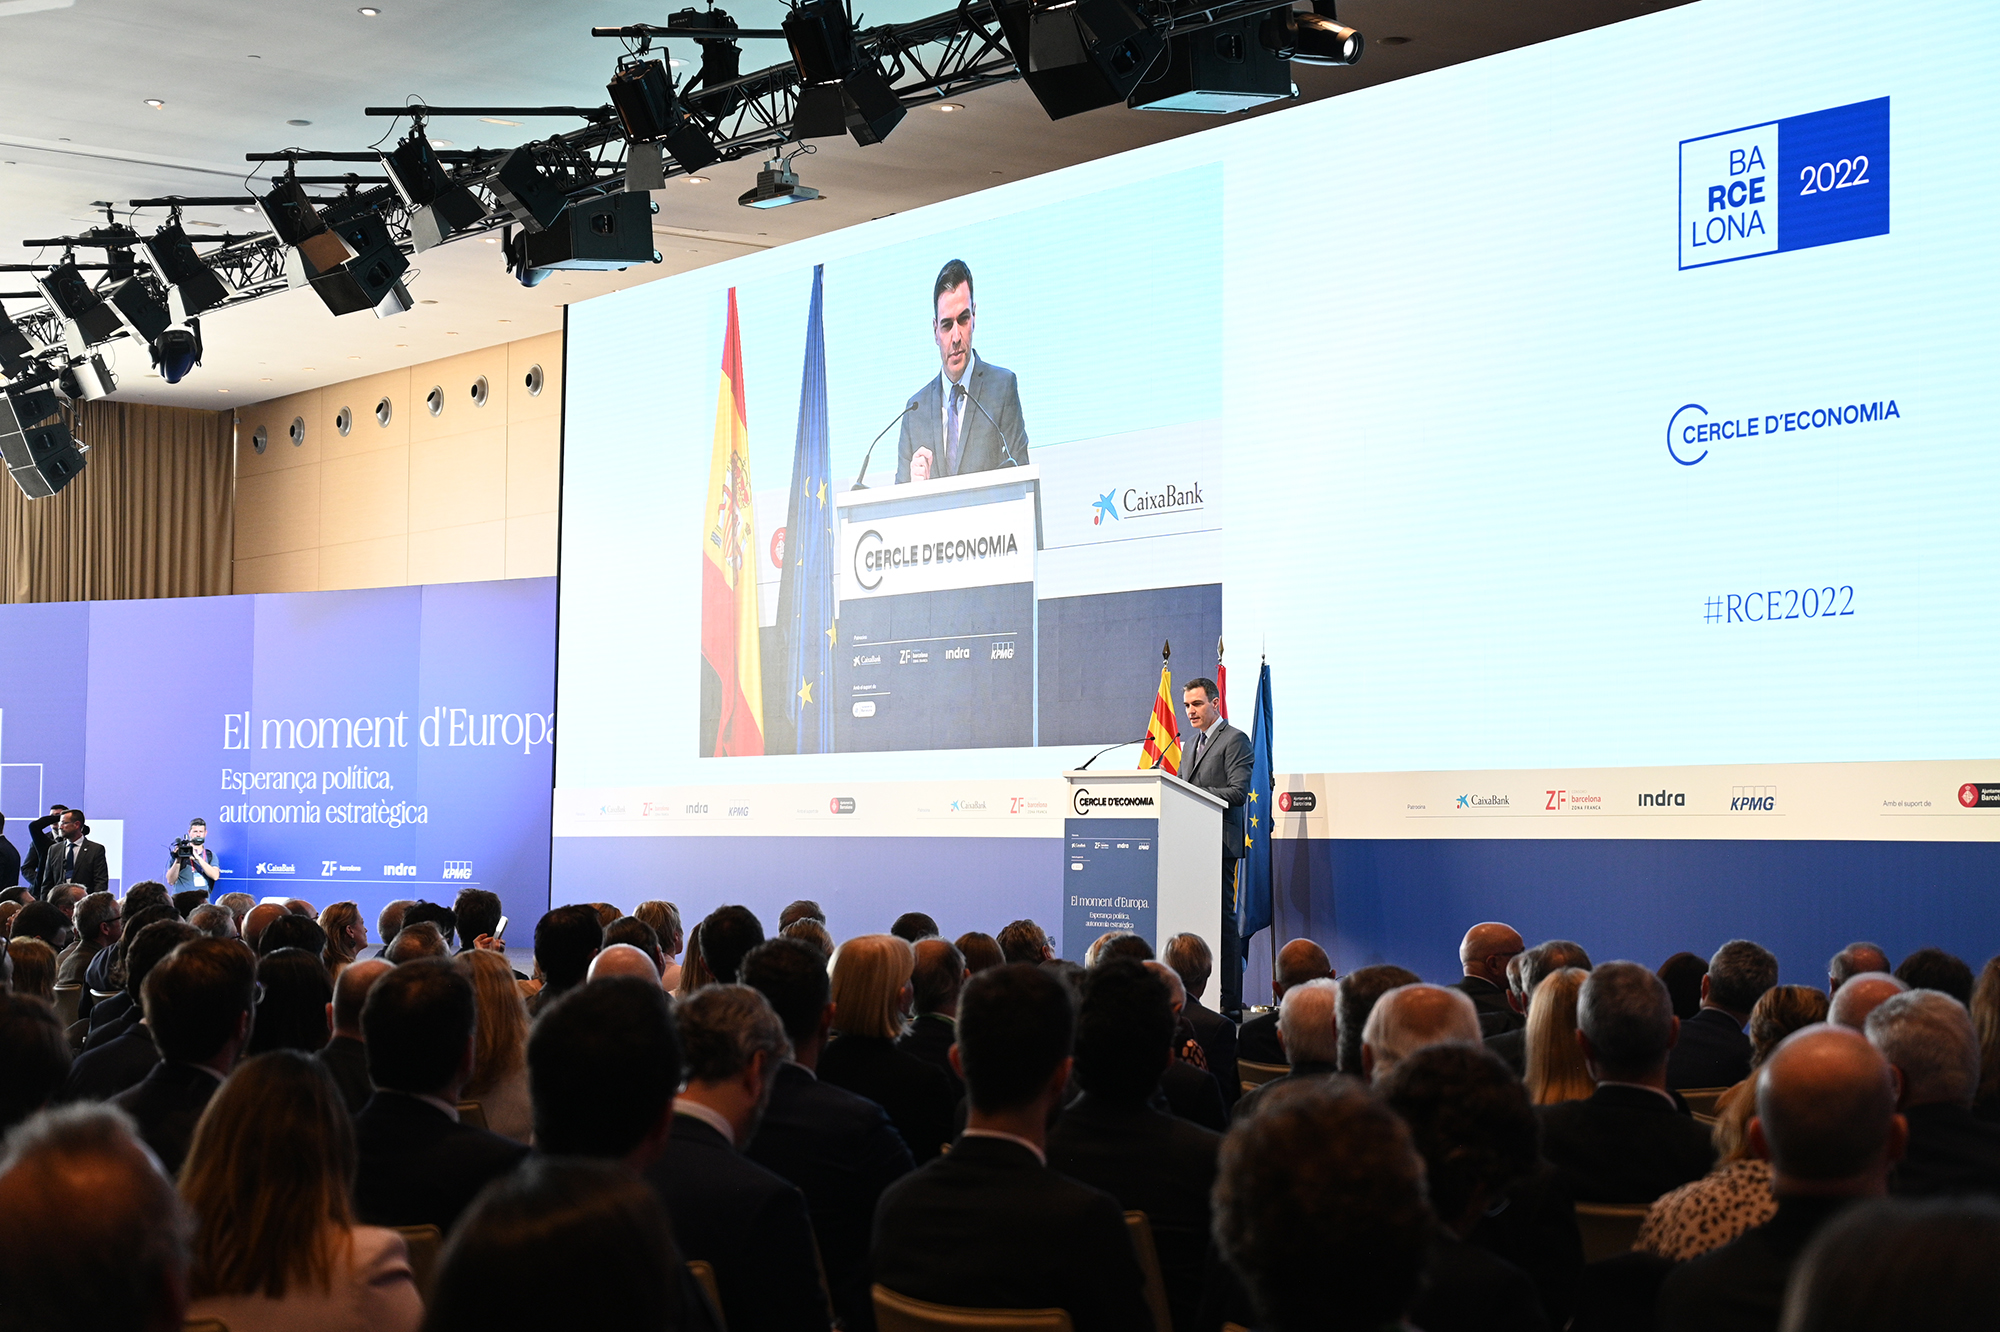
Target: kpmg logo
x=458 y=869
x=269 y=867
x=1791 y=184
x=1483 y=802
x=1753 y=800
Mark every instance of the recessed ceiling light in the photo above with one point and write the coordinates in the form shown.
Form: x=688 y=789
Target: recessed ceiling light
x=402 y=346
x=263 y=379
x=506 y=321
x=156 y=103
x=246 y=208
x=491 y=240
x=951 y=106
x=354 y=358
x=1392 y=41
x=222 y=390
x=697 y=180
x=440 y=143
x=495 y=120
x=451 y=332
x=306 y=368
x=369 y=11
x=298 y=122
x=426 y=302
x=674 y=64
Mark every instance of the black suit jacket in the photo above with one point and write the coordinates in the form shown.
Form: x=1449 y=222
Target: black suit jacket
x=346 y=1059
x=1490 y=1001
x=92 y=870
x=841 y=1151
x=1257 y=1040
x=105 y=1070
x=748 y=1224
x=1222 y=769
x=980 y=444
x=1467 y=1289
x=1152 y=1163
x=990 y=1227
x=1712 y=1052
x=1191 y=1094
x=1740 y=1287
x=1951 y=1152
x=1511 y=1046
x=1217 y=1035
x=1624 y=1145
x=917 y=1096
x=166 y=1105
x=40 y=833
x=10 y=864
x=930 y=1039
x=418 y=1166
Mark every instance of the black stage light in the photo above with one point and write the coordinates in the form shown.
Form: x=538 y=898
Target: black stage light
x=17 y=349
x=139 y=309
x=87 y=379
x=88 y=320
x=293 y=215
x=1078 y=57
x=534 y=182
x=514 y=249
x=1316 y=38
x=777 y=185
x=1215 y=70
x=721 y=57
x=38 y=452
x=643 y=94
x=177 y=351
x=614 y=231
x=440 y=208
x=839 y=90
x=371 y=279
x=181 y=268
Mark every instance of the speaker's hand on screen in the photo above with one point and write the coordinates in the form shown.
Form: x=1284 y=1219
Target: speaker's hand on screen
x=920 y=465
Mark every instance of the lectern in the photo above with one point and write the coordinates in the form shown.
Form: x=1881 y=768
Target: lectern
x=1142 y=853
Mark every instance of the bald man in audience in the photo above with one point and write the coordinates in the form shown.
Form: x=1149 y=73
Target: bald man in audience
x=1309 y=1029
x=1299 y=961
x=1857 y=959
x=1484 y=953
x=622 y=960
x=259 y=918
x=1827 y=1122
x=412 y=942
x=1410 y=1017
x=345 y=1057
x=1928 y=1037
x=1858 y=996
x=390 y=922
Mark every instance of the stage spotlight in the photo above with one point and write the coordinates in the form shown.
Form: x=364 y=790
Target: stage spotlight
x=139 y=309
x=177 y=351
x=439 y=207
x=777 y=185
x=1215 y=70
x=721 y=57
x=87 y=320
x=1311 y=39
x=643 y=94
x=615 y=231
x=38 y=452
x=513 y=248
x=17 y=349
x=371 y=278
x=534 y=181
x=178 y=265
x=1078 y=57
x=87 y=379
x=839 y=89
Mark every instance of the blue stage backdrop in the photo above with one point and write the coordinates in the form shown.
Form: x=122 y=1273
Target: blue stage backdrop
x=364 y=745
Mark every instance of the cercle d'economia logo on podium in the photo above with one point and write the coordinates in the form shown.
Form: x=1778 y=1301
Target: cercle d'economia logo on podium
x=1789 y=184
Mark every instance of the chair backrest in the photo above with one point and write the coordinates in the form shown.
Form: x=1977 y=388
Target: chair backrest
x=1707 y=1121
x=473 y=1113
x=1255 y=1074
x=900 y=1313
x=69 y=998
x=1609 y=1229
x=704 y=1276
x=1702 y=1100
x=204 y=1325
x=422 y=1242
x=1141 y=1231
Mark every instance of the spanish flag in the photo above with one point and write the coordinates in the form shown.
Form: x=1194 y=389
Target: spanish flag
x=732 y=678
x=1163 y=736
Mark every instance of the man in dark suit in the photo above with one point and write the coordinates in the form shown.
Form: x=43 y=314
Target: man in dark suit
x=126 y=1053
x=968 y=419
x=345 y=1057
x=1216 y=757
x=1309 y=1028
x=1713 y=1051
x=74 y=858
x=199 y=1001
x=10 y=860
x=1827 y=1122
x=1191 y=960
x=750 y=1225
x=566 y=939
x=604 y=1062
x=419 y=1165
x=1484 y=954
x=1632 y=1140
x=41 y=836
x=1299 y=961
x=839 y=1148
x=1929 y=1039
x=1537 y=965
x=939 y=976
x=990 y=1225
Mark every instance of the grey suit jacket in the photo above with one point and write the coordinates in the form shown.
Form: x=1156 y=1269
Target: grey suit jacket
x=1223 y=769
x=982 y=446
x=92 y=870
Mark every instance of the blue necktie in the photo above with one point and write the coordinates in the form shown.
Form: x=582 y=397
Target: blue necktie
x=69 y=862
x=954 y=447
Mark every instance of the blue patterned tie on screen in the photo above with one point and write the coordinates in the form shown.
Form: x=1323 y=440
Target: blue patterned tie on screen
x=954 y=447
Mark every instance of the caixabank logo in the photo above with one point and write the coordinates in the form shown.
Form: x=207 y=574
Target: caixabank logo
x=1790 y=184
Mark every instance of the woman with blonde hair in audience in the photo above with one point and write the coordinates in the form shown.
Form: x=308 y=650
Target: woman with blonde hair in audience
x=499 y=1079
x=34 y=968
x=694 y=969
x=269 y=1179
x=1986 y=1021
x=1556 y=1071
x=1736 y=1195
x=872 y=994
x=346 y=936
x=665 y=918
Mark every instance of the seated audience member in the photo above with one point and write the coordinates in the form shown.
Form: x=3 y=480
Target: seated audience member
x=514 y=1261
x=935 y=984
x=34 y=1054
x=345 y=1057
x=107 y=973
x=1471 y=1122
x=260 y=918
x=1484 y=954
x=624 y=960
x=1899 y=1264
x=914 y=925
x=1112 y=1137
x=1712 y=1050
x=39 y=920
x=727 y=933
x=606 y=913
x=1827 y=1122
x=1857 y=959
x=728 y=1211
x=1986 y=1021
x=1358 y=993
x=34 y=966
x=298 y=906
x=811 y=932
x=871 y=1002
x=214 y=920
x=603 y=1064
x=420 y=940
x=1935 y=969
x=565 y=941
x=1309 y=1032
x=1556 y=1071
x=1117 y=943
x=9 y=910
x=1407 y=1019
x=991 y=1225
x=1537 y=965
x=1631 y=1140
x=980 y=951
x=694 y=971
x=636 y=933
x=346 y=935
x=200 y=1003
x=476 y=913
x=388 y=922
x=1299 y=961
x=1682 y=974
x=443 y=917
x=802 y=909
x=1319 y=1209
x=64 y=897
x=1929 y=1040
x=292 y=930
x=839 y=1149
x=275 y=1243
x=294 y=1009
x=418 y=1165
x=499 y=1081
x=1859 y=996
x=107 y=1068
x=1025 y=941
x=184 y=902
x=665 y=918
x=1188 y=1088
x=103 y=974
x=239 y=905
x=92 y=1235
x=1189 y=956
x=97 y=928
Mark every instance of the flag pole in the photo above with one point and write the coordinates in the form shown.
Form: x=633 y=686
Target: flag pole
x=1271 y=932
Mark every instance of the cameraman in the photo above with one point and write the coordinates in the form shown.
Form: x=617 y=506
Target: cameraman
x=193 y=864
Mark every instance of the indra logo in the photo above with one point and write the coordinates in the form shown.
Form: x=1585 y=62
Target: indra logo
x=1789 y=184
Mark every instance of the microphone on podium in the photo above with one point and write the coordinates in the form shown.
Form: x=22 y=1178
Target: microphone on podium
x=1106 y=750
x=866 y=457
x=1006 y=447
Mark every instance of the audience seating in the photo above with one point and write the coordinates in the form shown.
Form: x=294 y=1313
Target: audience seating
x=204 y=1325
x=899 y=1313
x=423 y=1243
x=704 y=1275
x=1141 y=1231
x=1609 y=1229
x=1255 y=1075
x=1702 y=1100
x=69 y=998
x=473 y=1113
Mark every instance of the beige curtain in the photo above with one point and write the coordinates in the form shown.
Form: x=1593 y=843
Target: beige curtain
x=152 y=515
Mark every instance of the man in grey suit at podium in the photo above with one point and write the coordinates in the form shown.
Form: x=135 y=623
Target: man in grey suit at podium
x=1216 y=757
x=968 y=419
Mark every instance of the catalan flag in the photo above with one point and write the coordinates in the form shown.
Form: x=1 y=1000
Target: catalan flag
x=1163 y=736
x=732 y=677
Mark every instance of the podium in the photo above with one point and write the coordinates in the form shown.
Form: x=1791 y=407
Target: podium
x=935 y=584
x=1142 y=853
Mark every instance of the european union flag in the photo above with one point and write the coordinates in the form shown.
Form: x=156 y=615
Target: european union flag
x=1253 y=883
x=805 y=592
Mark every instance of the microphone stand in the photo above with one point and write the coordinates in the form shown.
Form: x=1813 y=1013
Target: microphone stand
x=1006 y=448
x=1106 y=750
x=868 y=456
